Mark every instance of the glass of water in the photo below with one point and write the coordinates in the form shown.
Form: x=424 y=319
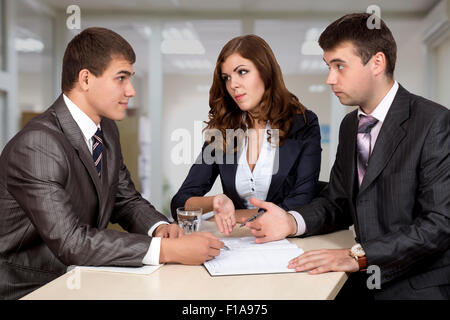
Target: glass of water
x=189 y=219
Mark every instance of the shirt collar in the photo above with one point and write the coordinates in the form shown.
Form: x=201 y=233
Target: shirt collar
x=87 y=126
x=382 y=108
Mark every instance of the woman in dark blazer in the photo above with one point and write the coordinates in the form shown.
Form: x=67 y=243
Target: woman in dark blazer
x=272 y=151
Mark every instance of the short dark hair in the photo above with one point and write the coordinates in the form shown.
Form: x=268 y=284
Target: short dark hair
x=93 y=49
x=354 y=28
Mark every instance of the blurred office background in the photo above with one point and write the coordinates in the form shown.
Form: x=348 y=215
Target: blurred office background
x=177 y=43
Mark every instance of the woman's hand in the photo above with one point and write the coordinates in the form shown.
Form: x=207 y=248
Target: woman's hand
x=224 y=213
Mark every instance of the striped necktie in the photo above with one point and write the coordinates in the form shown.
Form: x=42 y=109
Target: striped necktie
x=364 y=144
x=97 y=147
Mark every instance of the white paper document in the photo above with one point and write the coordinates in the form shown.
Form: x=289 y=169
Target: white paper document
x=133 y=270
x=247 y=257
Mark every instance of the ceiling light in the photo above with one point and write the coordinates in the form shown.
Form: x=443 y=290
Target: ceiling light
x=192 y=64
x=181 y=46
x=182 y=41
x=28 y=45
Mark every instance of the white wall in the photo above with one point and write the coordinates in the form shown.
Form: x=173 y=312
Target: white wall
x=410 y=66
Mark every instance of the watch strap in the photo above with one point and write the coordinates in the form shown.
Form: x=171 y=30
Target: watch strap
x=362 y=263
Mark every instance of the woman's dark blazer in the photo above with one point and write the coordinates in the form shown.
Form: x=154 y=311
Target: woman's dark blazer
x=292 y=186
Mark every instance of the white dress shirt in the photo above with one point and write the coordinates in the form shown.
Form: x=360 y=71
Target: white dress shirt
x=89 y=128
x=256 y=184
x=378 y=113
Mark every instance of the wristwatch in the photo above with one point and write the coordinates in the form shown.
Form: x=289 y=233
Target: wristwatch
x=357 y=252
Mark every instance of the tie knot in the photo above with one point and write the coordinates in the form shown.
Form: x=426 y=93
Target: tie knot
x=366 y=123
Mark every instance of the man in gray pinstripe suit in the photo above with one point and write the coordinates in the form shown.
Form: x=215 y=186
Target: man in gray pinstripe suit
x=391 y=176
x=62 y=180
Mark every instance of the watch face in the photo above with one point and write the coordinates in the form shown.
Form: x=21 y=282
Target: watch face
x=358 y=251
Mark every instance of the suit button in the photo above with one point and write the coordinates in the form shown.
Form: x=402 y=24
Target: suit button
x=253 y=189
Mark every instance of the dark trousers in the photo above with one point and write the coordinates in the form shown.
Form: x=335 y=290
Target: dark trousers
x=356 y=288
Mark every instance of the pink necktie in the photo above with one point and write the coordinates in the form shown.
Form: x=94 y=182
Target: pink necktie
x=363 y=143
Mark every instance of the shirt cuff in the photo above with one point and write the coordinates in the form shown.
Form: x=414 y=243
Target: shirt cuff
x=301 y=225
x=156 y=225
x=152 y=256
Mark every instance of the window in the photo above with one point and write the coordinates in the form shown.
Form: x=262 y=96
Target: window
x=33 y=42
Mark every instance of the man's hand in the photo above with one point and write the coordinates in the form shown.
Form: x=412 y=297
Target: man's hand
x=168 y=231
x=326 y=260
x=274 y=224
x=224 y=213
x=192 y=249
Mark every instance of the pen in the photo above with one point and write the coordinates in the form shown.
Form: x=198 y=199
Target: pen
x=260 y=212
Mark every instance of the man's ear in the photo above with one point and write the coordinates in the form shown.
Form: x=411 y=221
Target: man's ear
x=84 y=77
x=378 y=63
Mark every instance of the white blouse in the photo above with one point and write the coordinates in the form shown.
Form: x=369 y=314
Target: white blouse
x=255 y=184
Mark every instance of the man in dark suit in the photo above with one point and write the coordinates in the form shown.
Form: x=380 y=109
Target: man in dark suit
x=62 y=180
x=391 y=176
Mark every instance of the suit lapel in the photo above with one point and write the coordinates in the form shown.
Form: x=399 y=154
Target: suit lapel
x=107 y=154
x=108 y=166
x=346 y=158
x=73 y=133
x=391 y=134
x=285 y=157
x=349 y=152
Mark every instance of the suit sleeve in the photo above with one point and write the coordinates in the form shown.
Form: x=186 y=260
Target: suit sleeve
x=397 y=252
x=308 y=168
x=330 y=211
x=36 y=174
x=199 y=181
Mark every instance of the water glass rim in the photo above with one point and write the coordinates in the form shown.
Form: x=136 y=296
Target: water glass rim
x=196 y=210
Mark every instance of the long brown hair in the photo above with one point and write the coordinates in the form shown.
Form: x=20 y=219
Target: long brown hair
x=277 y=105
